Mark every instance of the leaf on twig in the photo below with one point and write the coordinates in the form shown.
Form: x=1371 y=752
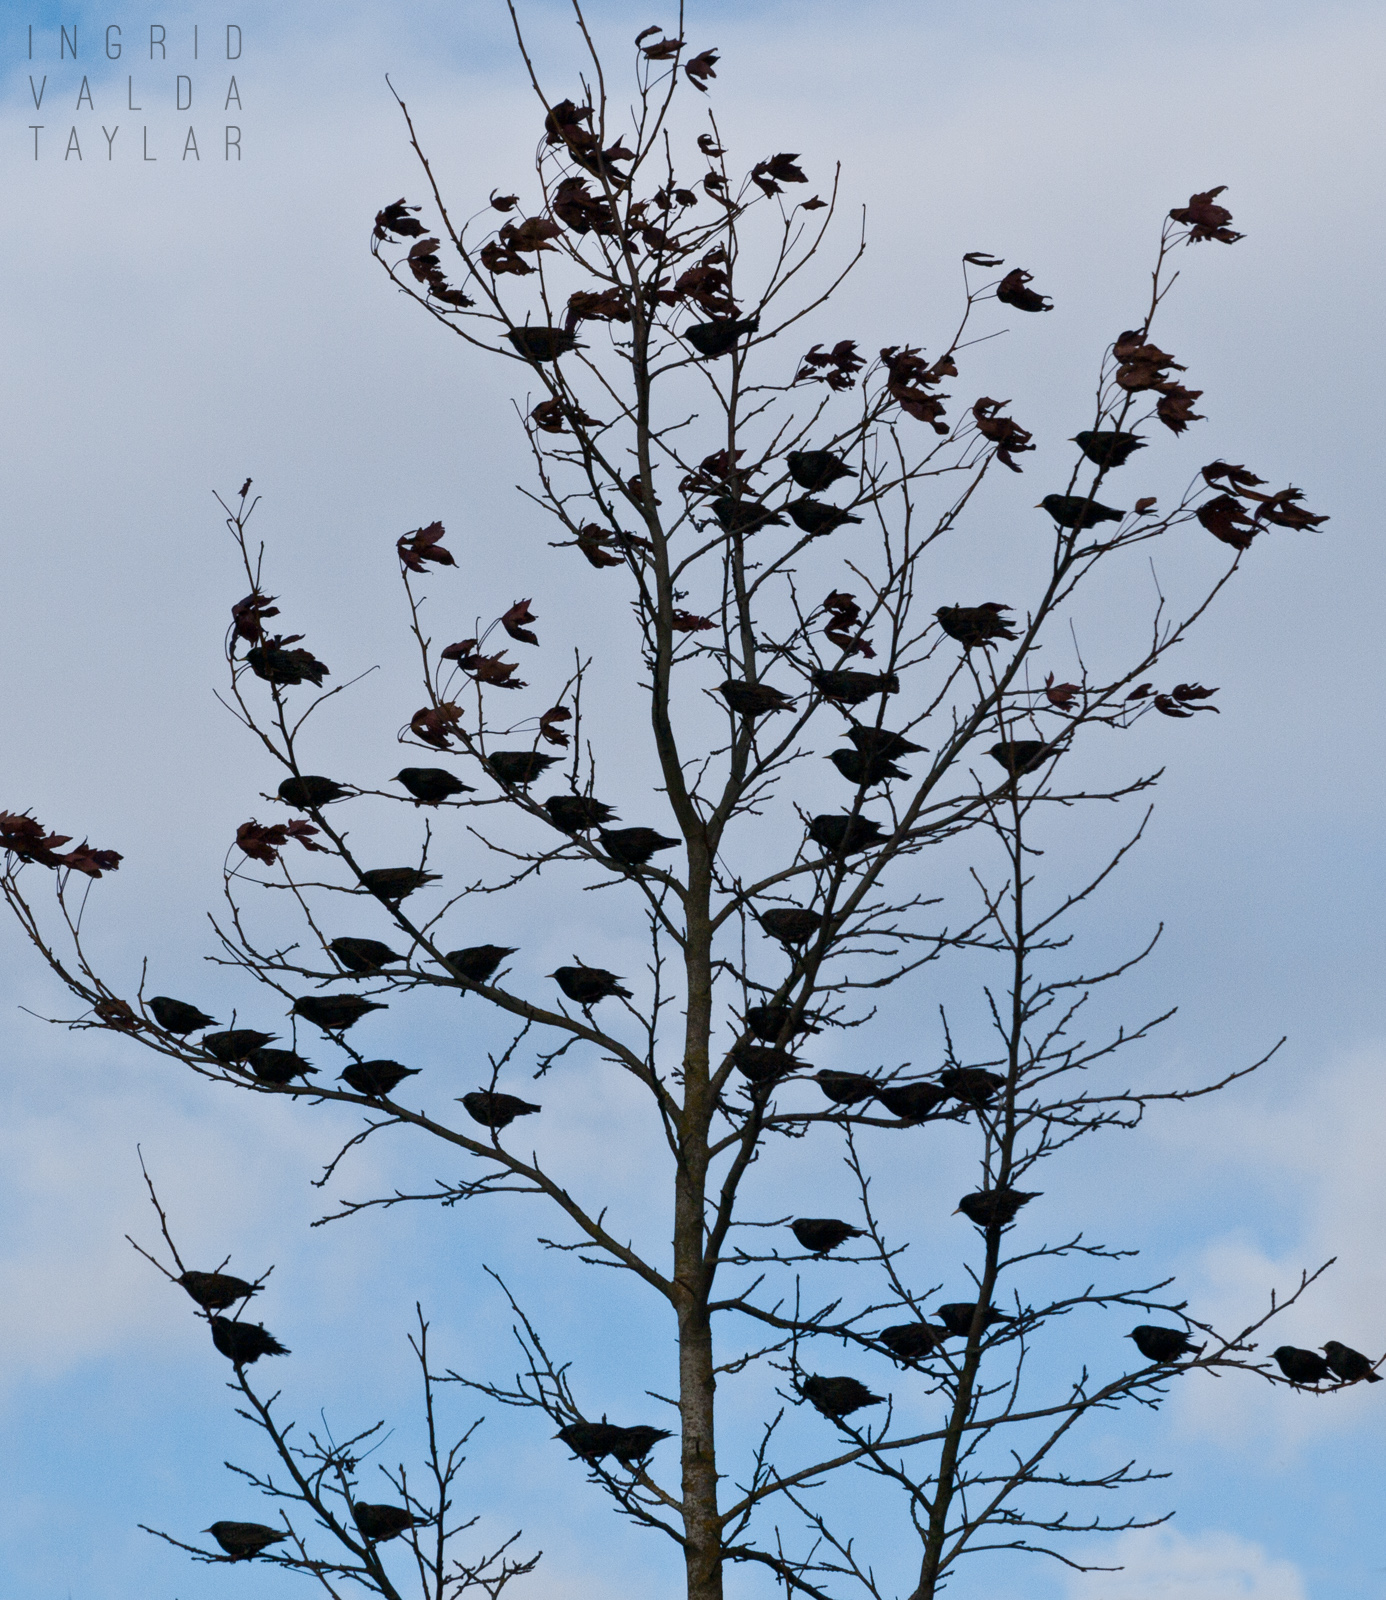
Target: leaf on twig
x=513 y=622
x=548 y=728
x=422 y=545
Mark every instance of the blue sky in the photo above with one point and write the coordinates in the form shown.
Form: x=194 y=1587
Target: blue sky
x=169 y=327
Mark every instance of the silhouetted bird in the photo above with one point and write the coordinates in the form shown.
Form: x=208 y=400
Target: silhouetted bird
x=851 y=688
x=394 y=883
x=974 y=1086
x=719 y=338
x=743 y=516
x=1108 y=448
x=517 y=767
x=1301 y=1366
x=864 y=770
x=278 y=1066
x=769 y=1022
x=1349 y=1365
x=235 y=1044
x=363 y=955
x=764 y=1063
x=429 y=785
x=310 y=792
x=1076 y=511
x=837 y=1397
x=477 y=961
x=577 y=813
x=495 y=1110
x=816 y=470
x=377 y=1077
x=909 y=1341
x=634 y=846
x=975 y=625
x=216 y=1291
x=587 y=985
x=911 y=1102
x=791 y=924
x=243 y=1539
x=634 y=1444
x=334 y=1013
x=845 y=1088
x=1163 y=1344
x=994 y=1208
x=379 y=1523
x=882 y=743
x=812 y=516
x=542 y=344
x=821 y=1234
x=1020 y=756
x=957 y=1317
x=590 y=1441
x=244 y=1342
x=177 y=1016
x=843 y=834
x=754 y=699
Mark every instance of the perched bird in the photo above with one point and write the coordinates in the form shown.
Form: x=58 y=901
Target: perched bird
x=1349 y=1365
x=634 y=1444
x=910 y=1340
x=764 y=1063
x=378 y=1523
x=1076 y=511
x=851 y=688
x=864 y=770
x=634 y=846
x=590 y=1441
x=994 y=1208
x=1020 y=756
x=334 y=1013
x=494 y=1110
x=177 y=1016
x=429 y=785
x=244 y=1342
x=542 y=344
x=394 y=883
x=754 y=699
x=587 y=985
x=845 y=1088
x=837 y=1397
x=278 y=1066
x=957 y=1317
x=821 y=1234
x=363 y=955
x=743 y=516
x=719 y=338
x=517 y=767
x=881 y=743
x=310 y=792
x=377 y=1078
x=974 y=1086
x=975 y=625
x=1163 y=1344
x=216 y=1291
x=816 y=470
x=577 y=813
x=235 y=1044
x=769 y=1022
x=1301 y=1366
x=791 y=924
x=843 y=834
x=243 y=1539
x=1108 y=448
x=812 y=516
x=911 y=1102
x=477 y=961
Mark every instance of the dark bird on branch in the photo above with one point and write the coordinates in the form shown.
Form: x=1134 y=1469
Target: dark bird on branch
x=769 y=1022
x=837 y=1397
x=363 y=955
x=845 y=1088
x=634 y=846
x=975 y=625
x=495 y=1110
x=743 y=516
x=911 y=1102
x=851 y=688
x=632 y=1445
x=881 y=743
x=1020 y=756
x=542 y=344
x=863 y=770
x=310 y=792
x=821 y=1234
x=754 y=699
x=379 y=1523
x=1349 y=1365
x=812 y=516
x=377 y=1078
x=791 y=924
x=1301 y=1366
x=1163 y=1344
x=577 y=813
x=243 y=1539
x=909 y=1341
x=429 y=785
x=394 y=883
x=957 y=1317
x=816 y=470
x=517 y=767
x=1076 y=511
x=477 y=961
x=974 y=1086
x=587 y=985
x=177 y=1016
x=763 y=1063
x=590 y=1441
x=334 y=1013
x=216 y=1291
x=840 y=835
x=244 y=1342
x=235 y=1044
x=1108 y=448
x=278 y=1066
x=719 y=338
x=994 y=1208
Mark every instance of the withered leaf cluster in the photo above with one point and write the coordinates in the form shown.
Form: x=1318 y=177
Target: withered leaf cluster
x=1004 y=432
x=23 y=836
x=248 y=616
x=1226 y=518
x=844 y=614
x=836 y=367
x=778 y=170
x=1206 y=220
x=1011 y=291
x=909 y=379
x=423 y=262
x=1143 y=366
x=423 y=545
x=1177 y=703
x=263 y=842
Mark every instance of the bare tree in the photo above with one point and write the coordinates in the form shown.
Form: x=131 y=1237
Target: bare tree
x=650 y=293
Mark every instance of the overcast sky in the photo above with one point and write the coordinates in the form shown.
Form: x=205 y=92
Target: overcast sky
x=172 y=323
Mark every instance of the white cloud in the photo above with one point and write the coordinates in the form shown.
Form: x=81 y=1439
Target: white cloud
x=1162 y=1564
